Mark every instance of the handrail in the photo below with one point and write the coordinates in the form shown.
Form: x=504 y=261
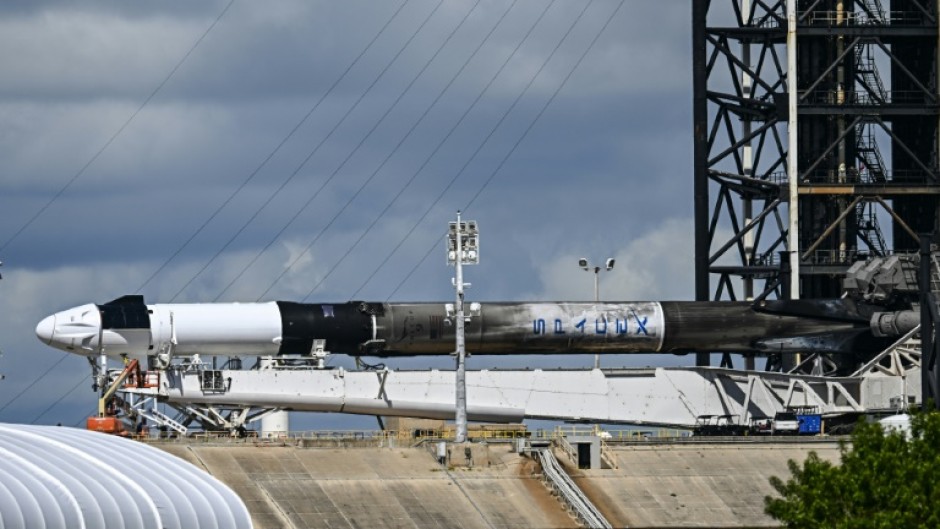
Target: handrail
x=607 y=455
x=608 y=437
x=567 y=449
x=569 y=492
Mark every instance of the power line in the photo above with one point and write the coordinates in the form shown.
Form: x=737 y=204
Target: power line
x=91 y=161
x=317 y=148
x=60 y=399
x=117 y=132
x=476 y=152
x=273 y=152
x=489 y=179
x=443 y=140
x=518 y=142
x=243 y=185
x=545 y=106
x=493 y=78
x=87 y=165
x=34 y=382
x=375 y=172
x=342 y=164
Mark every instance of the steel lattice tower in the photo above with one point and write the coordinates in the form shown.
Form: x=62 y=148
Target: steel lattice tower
x=866 y=144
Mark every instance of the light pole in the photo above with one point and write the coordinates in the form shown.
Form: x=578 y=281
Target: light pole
x=463 y=247
x=585 y=265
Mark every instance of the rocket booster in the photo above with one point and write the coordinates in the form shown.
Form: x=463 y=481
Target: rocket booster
x=129 y=326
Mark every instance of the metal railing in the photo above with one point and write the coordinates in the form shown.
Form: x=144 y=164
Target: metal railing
x=569 y=493
x=863 y=98
x=855 y=176
x=417 y=435
x=568 y=449
x=607 y=455
x=615 y=436
x=877 y=18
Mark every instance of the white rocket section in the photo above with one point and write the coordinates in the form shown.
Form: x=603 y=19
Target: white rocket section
x=78 y=330
x=180 y=329
x=217 y=328
x=72 y=329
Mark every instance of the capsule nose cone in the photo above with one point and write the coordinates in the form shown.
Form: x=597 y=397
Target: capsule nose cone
x=46 y=329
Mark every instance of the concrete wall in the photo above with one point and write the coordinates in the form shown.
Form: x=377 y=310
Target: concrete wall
x=655 y=485
x=286 y=486
x=692 y=485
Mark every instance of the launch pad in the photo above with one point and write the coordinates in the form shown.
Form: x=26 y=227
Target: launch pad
x=879 y=308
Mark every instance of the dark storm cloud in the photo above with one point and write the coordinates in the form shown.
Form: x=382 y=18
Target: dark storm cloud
x=604 y=172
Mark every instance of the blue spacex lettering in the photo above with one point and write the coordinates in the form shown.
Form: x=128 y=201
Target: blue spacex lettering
x=621 y=327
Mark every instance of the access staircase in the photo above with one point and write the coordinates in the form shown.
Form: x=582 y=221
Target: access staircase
x=874 y=11
x=935 y=273
x=869 y=230
x=869 y=154
x=161 y=419
x=866 y=72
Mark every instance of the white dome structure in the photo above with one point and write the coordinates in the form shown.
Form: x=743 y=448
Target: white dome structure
x=57 y=477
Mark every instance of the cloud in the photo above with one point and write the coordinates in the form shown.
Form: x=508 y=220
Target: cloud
x=654 y=266
x=615 y=62
x=27 y=297
x=89 y=55
x=605 y=172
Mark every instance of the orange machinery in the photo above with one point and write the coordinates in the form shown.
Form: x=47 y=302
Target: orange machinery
x=107 y=420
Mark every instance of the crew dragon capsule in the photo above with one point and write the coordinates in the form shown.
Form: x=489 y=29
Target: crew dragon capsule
x=128 y=326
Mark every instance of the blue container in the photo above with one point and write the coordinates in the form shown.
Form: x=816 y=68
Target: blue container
x=810 y=424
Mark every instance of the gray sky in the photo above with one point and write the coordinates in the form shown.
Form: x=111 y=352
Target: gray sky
x=605 y=170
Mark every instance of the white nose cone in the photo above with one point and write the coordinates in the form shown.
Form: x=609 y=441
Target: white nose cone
x=75 y=330
x=46 y=329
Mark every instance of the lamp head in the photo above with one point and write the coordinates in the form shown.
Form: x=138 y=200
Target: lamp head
x=610 y=263
x=583 y=263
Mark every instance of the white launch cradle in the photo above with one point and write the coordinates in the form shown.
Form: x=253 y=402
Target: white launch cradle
x=665 y=397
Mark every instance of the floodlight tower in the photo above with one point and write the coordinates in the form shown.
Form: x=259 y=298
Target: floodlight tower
x=463 y=247
x=586 y=266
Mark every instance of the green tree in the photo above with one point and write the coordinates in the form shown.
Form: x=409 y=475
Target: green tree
x=885 y=480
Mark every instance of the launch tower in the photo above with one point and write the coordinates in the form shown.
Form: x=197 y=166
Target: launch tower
x=862 y=125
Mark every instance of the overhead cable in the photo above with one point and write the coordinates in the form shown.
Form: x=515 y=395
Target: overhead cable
x=479 y=147
x=444 y=139
x=92 y=160
x=34 y=382
x=440 y=144
x=272 y=153
x=49 y=408
x=402 y=189
x=117 y=133
x=296 y=127
x=514 y=147
x=384 y=161
x=314 y=151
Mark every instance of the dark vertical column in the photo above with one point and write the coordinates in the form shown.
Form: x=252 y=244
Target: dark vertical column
x=700 y=124
x=918 y=132
x=785 y=272
x=929 y=383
